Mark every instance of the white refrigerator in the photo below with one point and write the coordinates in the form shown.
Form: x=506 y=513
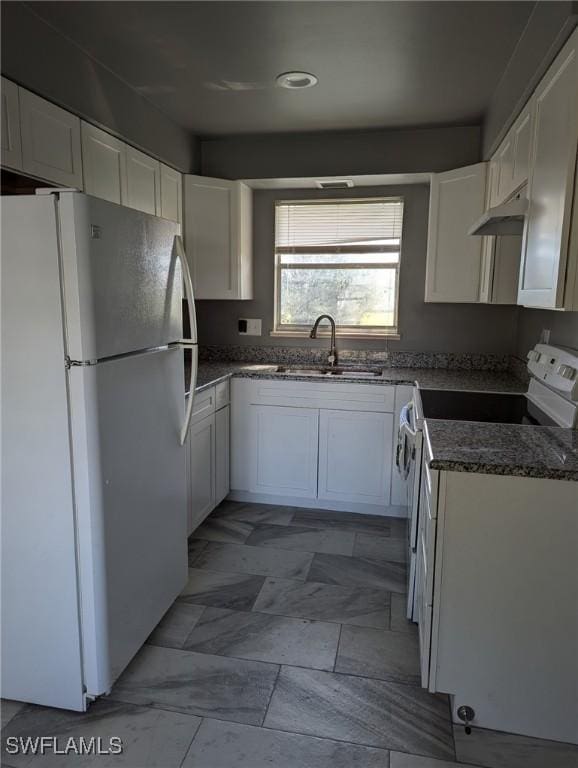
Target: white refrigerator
x=93 y=522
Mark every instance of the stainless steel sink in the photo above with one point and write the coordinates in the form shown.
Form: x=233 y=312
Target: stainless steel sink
x=328 y=371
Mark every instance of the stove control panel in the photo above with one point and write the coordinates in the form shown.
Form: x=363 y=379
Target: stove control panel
x=557 y=367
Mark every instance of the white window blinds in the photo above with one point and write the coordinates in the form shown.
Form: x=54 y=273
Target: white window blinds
x=339 y=225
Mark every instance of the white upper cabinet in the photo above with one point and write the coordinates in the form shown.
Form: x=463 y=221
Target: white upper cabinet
x=504 y=170
x=171 y=194
x=50 y=141
x=218 y=237
x=522 y=142
x=10 y=130
x=143 y=182
x=453 y=267
x=104 y=164
x=512 y=160
x=549 y=259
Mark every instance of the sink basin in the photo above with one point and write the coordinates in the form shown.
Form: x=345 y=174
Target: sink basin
x=327 y=371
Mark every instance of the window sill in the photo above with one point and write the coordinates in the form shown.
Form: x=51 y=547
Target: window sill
x=339 y=335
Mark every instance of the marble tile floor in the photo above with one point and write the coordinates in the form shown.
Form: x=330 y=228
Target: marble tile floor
x=287 y=648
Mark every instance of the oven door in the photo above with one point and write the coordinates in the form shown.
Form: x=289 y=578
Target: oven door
x=412 y=438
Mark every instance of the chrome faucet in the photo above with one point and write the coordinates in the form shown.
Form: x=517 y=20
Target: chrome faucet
x=332 y=356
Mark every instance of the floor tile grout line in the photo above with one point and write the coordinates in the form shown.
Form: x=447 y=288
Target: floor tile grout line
x=337 y=648
x=245 y=573
x=284 y=549
x=287 y=664
x=271 y=697
x=188 y=749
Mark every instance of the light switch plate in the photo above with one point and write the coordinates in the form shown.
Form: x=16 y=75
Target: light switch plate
x=253 y=327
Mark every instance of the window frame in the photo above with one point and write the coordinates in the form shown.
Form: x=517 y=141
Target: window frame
x=342 y=331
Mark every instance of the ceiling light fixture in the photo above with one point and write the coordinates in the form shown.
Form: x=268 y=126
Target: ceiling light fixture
x=296 y=80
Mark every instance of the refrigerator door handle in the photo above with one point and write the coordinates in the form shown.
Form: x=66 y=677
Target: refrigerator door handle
x=189 y=293
x=192 y=386
x=180 y=251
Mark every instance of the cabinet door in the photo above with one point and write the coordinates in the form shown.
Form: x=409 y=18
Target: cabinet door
x=171 y=194
x=457 y=199
x=551 y=183
x=10 y=135
x=488 y=242
x=50 y=141
x=522 y=141
x=505 y=160
x=218 y=237
x=201 y=470
x=355 y=453
x=222 y=481
x=284 y=450
x=506 y=269
x=104 y=165
x=143 y=182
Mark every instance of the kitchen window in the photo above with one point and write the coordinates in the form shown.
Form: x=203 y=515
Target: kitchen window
x=341 y=258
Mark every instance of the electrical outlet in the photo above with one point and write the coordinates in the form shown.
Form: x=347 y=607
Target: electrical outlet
x=545 y=336
x=250 y=327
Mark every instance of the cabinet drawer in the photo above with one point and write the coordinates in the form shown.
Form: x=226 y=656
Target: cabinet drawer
x=203 y=405
x=341 y=396
x=222 y=394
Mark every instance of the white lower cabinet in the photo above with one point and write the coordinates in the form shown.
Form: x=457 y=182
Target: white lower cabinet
x=202 y=470
x=222 y=448
x=313 y=444
x=283 y=445
x=355 y=456
x=208 y=453
x=487 y=556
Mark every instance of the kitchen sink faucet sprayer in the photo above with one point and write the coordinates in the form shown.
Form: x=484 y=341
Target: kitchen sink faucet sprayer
x=332 y=356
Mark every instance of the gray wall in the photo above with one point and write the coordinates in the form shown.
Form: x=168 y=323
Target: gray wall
x=423 y=327
x=547 y=29
x=44 y=61
x=563 y=328
x=333 y=153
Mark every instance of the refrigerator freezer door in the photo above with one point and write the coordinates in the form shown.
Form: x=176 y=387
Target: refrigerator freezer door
x=130 y=483
x=122 y=278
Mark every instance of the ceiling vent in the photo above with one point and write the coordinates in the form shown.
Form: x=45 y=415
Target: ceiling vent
x=334 y=184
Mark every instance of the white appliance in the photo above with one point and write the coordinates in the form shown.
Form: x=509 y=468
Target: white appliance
x=551 y=399
x=408 y=461
x=93 y=420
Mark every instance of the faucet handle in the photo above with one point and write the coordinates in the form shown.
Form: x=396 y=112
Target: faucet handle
x=331 y=359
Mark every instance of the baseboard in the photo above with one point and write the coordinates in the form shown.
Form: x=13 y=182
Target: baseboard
x=299 y=501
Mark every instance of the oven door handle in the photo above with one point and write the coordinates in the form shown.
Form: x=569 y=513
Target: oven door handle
x=404 y=420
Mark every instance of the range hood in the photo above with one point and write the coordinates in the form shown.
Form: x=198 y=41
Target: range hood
x=504 y=219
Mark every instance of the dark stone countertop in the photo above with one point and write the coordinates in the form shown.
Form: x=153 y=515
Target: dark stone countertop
x=210 y=374
x=503 y=449
x=458 y=446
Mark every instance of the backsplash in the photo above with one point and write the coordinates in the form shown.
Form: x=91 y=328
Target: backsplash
x=391 y=359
